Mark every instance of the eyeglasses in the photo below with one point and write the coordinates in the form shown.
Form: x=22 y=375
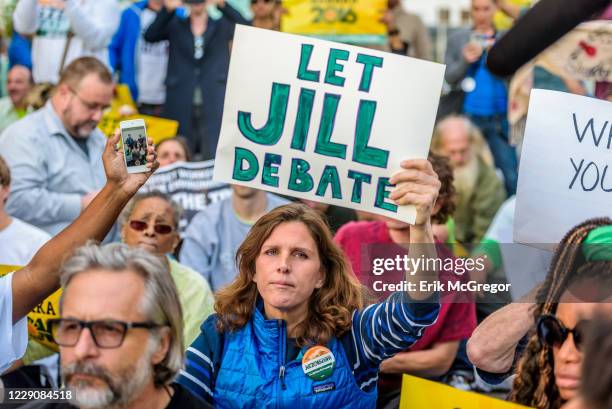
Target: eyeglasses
x=106 y=333
x=139 y=225
x=90 y=106
x=553 y=333
x=257 y=1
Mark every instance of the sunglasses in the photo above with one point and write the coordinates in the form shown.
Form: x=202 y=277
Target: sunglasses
x=553 y=333
x=139 y=225
x=257 y=1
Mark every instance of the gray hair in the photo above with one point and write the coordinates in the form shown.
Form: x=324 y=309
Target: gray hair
x=177 y=211
x=474 y=134
x=160 y=303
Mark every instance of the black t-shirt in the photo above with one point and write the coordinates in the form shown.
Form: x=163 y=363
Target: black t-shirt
x=182 y=399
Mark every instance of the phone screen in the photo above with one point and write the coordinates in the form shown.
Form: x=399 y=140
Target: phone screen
x=134 y=146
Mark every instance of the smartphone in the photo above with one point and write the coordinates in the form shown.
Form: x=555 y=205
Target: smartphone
x=134 y=141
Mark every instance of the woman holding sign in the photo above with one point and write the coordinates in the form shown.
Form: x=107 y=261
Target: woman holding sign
x=291 y=330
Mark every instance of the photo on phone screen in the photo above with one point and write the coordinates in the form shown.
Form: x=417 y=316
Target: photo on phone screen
x=134 y=146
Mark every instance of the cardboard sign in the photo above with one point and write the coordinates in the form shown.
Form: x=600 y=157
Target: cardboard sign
x=419 y=393
x=326 y=122
x=37 y=318
x=565 y=174
x=356 y=22
x=585 y=52
x=189 y=184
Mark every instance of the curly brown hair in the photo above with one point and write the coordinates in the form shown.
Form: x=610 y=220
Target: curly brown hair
x=446 y=195
x=330 y=308
x=535 y=384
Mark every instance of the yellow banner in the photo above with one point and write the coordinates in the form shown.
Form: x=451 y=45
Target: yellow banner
x=350 y=21
x=123 y=108
x=37 y=318
x=502 y=21
x=419 y=393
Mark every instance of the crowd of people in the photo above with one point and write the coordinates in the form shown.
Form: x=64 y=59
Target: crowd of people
x=270 y=301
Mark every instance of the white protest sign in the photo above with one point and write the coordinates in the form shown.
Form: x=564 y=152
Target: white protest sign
x=190 y=185
x=565 y=174
x=324 y=121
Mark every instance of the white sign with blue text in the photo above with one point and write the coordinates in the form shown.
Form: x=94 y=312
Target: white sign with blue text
x=324 y=121
x=565 y=174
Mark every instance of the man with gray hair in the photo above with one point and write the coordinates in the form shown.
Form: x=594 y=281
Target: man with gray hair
x=480 y=191
x=121 y=331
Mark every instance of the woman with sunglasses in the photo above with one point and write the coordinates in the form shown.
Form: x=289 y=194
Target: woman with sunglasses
x=578 y=285
x=150 y=221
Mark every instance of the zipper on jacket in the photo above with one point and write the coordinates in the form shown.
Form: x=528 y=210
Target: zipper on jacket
x=283 y=349
x=281 y=375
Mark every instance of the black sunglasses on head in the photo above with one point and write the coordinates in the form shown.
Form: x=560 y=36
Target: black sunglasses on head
x=553 y=333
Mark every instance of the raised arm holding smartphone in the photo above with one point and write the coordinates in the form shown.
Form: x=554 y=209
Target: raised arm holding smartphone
x=33 y=283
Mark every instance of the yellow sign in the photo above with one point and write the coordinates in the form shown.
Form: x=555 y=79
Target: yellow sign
x=502 y=21
x=419 y=393
x=123 y=108
x=37 y=318
x=349 y=21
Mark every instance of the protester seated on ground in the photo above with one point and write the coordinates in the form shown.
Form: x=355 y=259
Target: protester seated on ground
x=595 y=390
x=479 y=191
x=25 y=288
x=19 y=241
x=293 y=319
x=335 y=216
x=14 y=106
x=499 y=341
x=150 y=221
x=433 y=355
x=173 y=150
x=54 y=153
x=214 y=234
x=121 y=331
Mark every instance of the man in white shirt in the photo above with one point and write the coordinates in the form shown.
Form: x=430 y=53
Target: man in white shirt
x=19 y=241
x=24 y=289
x=90 y=23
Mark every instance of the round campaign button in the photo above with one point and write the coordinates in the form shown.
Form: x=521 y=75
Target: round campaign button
x=468 y=84
x=318 y=363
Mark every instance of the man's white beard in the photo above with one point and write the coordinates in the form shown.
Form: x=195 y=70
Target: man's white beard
x=466 y=177
x=126 y=386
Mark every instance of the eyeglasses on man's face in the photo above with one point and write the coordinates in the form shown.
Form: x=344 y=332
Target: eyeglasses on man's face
x=105 y=333
x=88 y=105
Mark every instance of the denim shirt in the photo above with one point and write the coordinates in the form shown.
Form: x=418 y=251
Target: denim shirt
x=50 y=172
